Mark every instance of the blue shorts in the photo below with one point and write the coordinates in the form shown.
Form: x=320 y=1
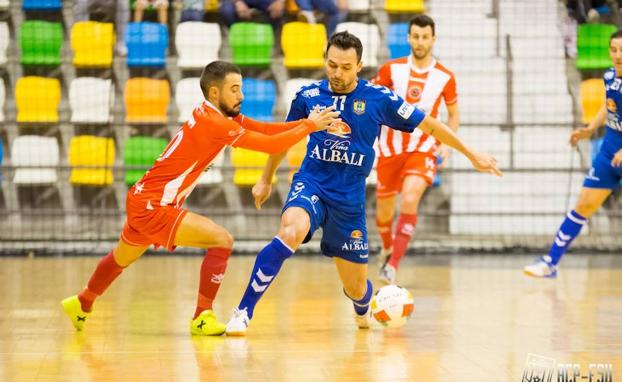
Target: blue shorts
x=344 y=227
x=603 y=174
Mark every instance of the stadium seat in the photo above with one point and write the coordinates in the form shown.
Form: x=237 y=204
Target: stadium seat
x=141 y=151
x=146 y=44
x=404 y=6
x=146 y=100
x=4 y=5
x=92 y=44
x=2 y=99
x=592 y=98
x=37 y=99
x=88 y=150
x=360 y=5
x=214 y=174
x=369 y=34
x=303 y=45
x=41 y=5
x=40 y=42
x=90 y=100
x=248 y=166
x=251 y=44
x=188 y=95
x=291 y=88
x=35 y=150
x=4 y=42
x=259 y=98
x=295 y=156
x=397 y=40
x=593 y=46
x=197 y=43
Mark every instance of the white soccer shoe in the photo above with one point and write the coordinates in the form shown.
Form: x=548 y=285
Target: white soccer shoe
x=387 y=274
x=384 y=255
x=363 y=320
x=541 y=268
x=238 y=323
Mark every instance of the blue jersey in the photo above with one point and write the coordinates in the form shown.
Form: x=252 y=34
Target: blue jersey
x=339 y=159
x=612 y=142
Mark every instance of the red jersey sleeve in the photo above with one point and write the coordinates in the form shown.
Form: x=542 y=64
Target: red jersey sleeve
x=268 y=128
x=273 y=144
x=450 y=94
x=384 y=76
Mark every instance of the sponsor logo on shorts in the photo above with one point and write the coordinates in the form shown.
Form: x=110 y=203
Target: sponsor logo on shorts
x=356 y=243
x=356 y=234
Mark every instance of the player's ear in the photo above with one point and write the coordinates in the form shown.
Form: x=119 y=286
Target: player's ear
x=359 y=67
x=213 y=93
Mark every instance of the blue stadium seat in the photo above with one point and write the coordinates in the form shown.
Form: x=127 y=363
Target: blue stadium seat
x=259 y=98
x=146 y=44
x=41 y=5
x=397 y=41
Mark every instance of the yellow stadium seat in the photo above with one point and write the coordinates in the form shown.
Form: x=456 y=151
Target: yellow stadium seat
x=404 y=6
x=303 y=45
x=37 y=99
x=248 y=166
x=295 y=156
x=87 y=150
x=92 y=43
x=592 y=98
x=211 y=5
x=146 y=100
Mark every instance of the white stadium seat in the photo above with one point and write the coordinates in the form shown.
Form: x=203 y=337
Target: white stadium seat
x=197 y=43
x=90 y=100
x=370 y=38
x=188 y=95
x=34 y=150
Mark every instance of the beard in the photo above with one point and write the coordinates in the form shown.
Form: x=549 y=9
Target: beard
x=230 y=112
x=339 y=86
x=420 y=56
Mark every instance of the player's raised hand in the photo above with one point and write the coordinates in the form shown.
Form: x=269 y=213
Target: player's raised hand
x=579 y=134
x=323 y=119
x=485 y=163
x=261 y=192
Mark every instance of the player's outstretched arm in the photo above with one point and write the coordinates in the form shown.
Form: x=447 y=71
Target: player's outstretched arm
x=481 y=161
x=262 y=189
x=273 y=144
x=269 y=128
x=586 y=132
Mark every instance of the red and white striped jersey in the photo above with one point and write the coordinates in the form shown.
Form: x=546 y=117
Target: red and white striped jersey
x=422 y=87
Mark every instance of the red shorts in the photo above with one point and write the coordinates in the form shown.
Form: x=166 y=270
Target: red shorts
x=157 y=225
x=392 y=171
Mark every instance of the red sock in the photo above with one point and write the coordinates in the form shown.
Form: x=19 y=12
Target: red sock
x=403 y=232
x=384 y=229
x=105 y=273
x=212 y=273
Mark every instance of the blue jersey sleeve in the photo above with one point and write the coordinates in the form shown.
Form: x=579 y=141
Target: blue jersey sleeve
x=298 y=109
x=399 y=114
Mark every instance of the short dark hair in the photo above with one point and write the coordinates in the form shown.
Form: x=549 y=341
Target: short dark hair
x=616 y=34
x=344 y=41
x=214 y=73
x=421 y=21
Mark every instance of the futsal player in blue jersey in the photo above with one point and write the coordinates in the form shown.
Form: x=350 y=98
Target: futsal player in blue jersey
x=606 y=171
x=329 y=189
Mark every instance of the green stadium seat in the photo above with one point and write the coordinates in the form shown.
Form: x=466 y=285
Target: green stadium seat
x=141 y=151
x=593 y=46
x=251 y=44
x=41 y=42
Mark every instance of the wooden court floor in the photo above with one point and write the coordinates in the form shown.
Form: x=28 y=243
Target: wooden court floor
x=477 y=318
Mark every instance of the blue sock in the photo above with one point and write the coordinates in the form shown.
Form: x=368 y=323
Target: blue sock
x=267 y=265
x=361 y=306
x=569 y=229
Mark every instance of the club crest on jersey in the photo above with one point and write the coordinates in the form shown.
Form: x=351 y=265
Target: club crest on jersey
x=358 y=106
x=612 y=106
x=414 y=92
x=340 y=129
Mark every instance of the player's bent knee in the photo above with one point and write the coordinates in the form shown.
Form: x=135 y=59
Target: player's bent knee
x=226 y=240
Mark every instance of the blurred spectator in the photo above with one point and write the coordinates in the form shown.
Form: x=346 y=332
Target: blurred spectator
x=590 y=11
x=239 y=10
x=83 y=10
x=160 y=5
x=335 y=11
x=192 y=10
